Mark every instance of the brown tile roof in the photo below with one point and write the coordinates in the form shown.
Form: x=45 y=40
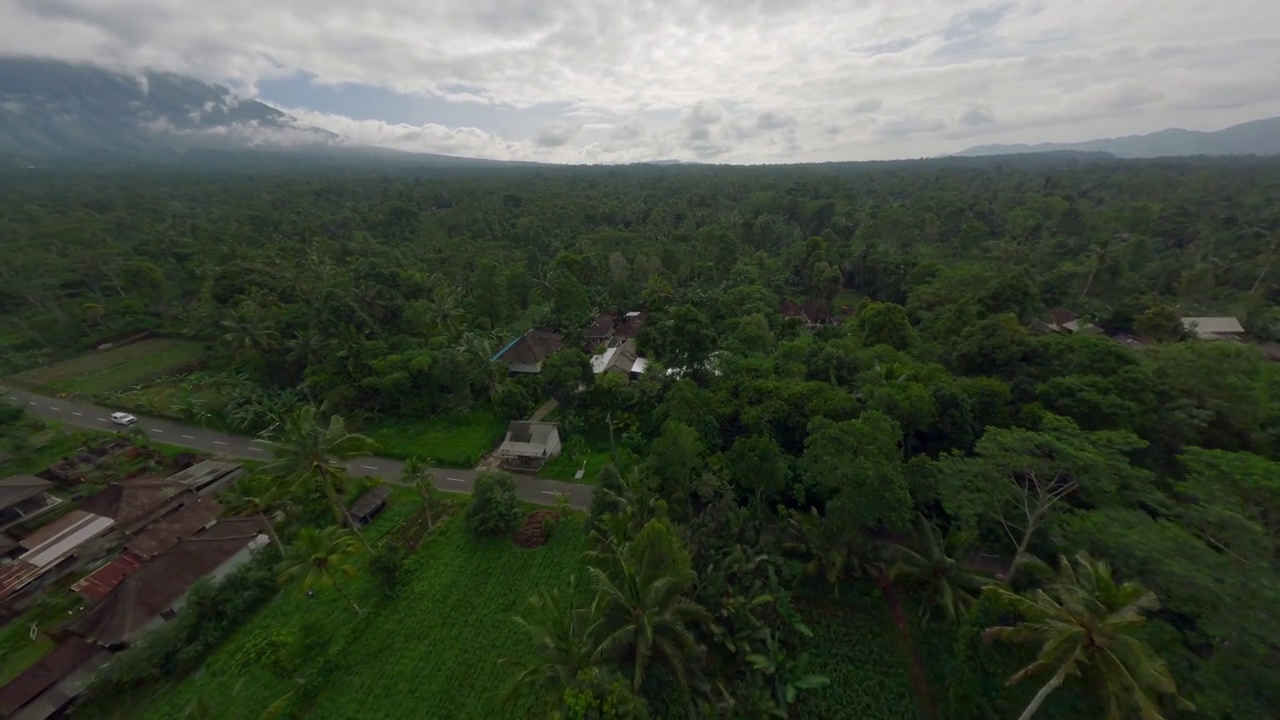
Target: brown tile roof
x=788 y=308
x=66 y=658
x=14 y=490
x=183 y=523
x=816 y=312
x=532 y=348
x=152 y=589
x=1061 y=316
x=601 y=328
x=134 y=504
x=97 y=584
x=630 y=324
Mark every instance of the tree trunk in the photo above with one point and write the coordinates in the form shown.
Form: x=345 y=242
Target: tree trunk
x=1019 y=552
x=271 y=530
x=1270 y=256
x=1089 y=282
x=1038 y=700
x=344 y=595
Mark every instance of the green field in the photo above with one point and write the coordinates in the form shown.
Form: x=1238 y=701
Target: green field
x=432 y=652
x=564 y=466
x=116 y=369
x=457 y=441
x=855 y=646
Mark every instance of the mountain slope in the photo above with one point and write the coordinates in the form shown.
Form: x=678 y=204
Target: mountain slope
x=1260 y=137
x=53 y=110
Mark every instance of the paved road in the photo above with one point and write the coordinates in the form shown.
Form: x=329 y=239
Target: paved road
x=530 y=488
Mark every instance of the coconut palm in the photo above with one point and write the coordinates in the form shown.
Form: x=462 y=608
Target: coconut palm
x=929 y=566
x=562 y=633
x=258 y=496
x=645 y=611
x=317 y=557
x=422 y=479
x=1083 y=623
x=307 y=452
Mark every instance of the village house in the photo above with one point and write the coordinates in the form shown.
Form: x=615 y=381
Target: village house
x=600 y=333
x=48 y=686
x=1214 y=328
x=23 y=497
x=153 y=594
x=52 y=552
x=525 y=354
x=620 y=359
x=529 y=445
x=629 y=326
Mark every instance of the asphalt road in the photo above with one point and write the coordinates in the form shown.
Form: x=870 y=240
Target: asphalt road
x=531 y=488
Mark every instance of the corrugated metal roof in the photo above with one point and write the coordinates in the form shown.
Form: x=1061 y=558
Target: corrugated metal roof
x=98 y=583
x=64 y=543
x=1212 y=325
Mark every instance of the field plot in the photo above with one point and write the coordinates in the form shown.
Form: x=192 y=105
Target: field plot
x=457 y=441
x=118 y=368
x=432 y=652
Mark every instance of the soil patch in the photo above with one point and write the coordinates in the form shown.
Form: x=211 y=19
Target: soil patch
x=534 y=533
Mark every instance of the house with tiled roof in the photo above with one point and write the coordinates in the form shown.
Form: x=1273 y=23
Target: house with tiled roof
x=135 y=504
x=48 y=686
x=525 y=354
x=23 y=497
x=155 y=592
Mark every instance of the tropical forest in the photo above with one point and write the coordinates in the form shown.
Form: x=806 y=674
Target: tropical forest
x=952 y=439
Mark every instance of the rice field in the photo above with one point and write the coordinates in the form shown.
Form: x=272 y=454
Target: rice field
x=118 y=368
x=434 y=651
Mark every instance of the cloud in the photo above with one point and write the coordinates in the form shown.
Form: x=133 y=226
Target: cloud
x=556 y=135
x=737 y=80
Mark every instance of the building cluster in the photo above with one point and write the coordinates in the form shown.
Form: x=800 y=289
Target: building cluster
x=131 y=552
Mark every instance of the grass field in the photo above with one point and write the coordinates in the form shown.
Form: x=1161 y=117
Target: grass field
x=116 y=369
x=432 y=652
x=457 y=441
x=565 y=466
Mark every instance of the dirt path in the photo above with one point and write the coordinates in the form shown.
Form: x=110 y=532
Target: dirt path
x=915 y=670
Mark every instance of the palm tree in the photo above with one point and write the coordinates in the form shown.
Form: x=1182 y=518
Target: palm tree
x=931 y=567
x=423 y=480
x=644 y=612
x=317 y=556
x=308 y=452
x=562 y=632
x=259 y=496
x=831 y=552
x=1083 y=623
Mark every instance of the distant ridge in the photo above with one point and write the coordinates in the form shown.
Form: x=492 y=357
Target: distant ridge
x=1259 y=137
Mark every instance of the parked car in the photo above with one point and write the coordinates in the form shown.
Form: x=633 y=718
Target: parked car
x=122 y=418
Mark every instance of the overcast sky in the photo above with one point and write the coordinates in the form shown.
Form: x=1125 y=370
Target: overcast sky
x=711 y=80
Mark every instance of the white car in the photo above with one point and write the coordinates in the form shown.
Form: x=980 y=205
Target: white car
x=121 y=418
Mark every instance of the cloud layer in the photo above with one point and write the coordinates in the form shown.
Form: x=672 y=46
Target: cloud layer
x=713 y=80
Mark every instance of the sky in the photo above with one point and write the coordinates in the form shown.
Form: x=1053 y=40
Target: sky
x=725 y=81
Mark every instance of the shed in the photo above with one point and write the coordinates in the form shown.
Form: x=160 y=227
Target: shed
x=370 y=504
x=529 y=445
x=208 y=476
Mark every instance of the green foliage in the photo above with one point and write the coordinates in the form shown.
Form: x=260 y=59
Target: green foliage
x=495 y=508
x=452 y=441
x=387 y=567
x=886 y=324
x=119 y=368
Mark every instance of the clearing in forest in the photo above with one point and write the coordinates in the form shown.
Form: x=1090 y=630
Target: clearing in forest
x=433 y=651
x=119 y=368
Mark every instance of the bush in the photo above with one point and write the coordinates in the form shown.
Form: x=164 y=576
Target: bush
x=494 y=508
x=387 y=566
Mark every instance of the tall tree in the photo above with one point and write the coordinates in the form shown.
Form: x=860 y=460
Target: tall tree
x=317 y=558
x=1084 y=624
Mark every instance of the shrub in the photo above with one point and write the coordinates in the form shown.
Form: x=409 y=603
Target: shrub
x=387 y=566
x=495 y=508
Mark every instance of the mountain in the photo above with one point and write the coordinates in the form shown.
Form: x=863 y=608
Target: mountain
x=54 y=112
x=1260 y=137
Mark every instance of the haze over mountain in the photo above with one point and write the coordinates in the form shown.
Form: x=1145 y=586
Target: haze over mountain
x=1260 y=137
x=53 y=111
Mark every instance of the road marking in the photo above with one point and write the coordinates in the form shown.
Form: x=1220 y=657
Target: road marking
x=189 y=437
x=31 y=402
x=549 y=492
x=103 y=420
x=219 y=442
x=455 y=479
x=156 y=430
x=368 y=467
x=256 y=449
x=73 y=412
x=54 y=408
